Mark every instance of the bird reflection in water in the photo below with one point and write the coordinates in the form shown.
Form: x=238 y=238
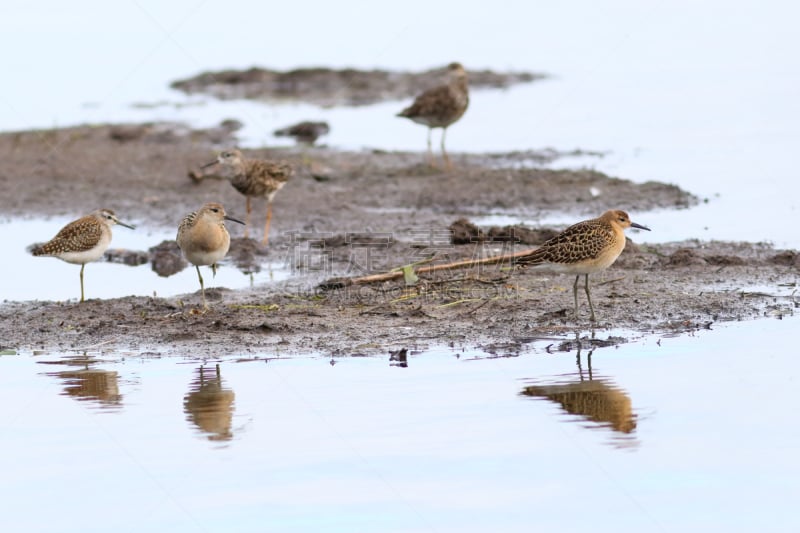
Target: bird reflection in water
x=594 y=399
x=90 y=384
x=209 y=405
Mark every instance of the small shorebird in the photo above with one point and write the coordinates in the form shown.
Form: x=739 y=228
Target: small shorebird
x=254 y=178
x=584 y=248
x=441 y=106
x=82 y=241
x=203 y=239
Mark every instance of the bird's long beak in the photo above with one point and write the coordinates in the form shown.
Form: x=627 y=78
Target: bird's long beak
x=211 y=164
x=639 y=226
x=121 y=223
x=226 y=217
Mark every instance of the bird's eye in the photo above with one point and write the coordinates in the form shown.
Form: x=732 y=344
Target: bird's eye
x=214 y=209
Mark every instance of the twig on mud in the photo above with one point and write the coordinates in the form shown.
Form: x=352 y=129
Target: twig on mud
x=93 y=346
x=491 y=282
x=460 y=301
x=260 y=307
x=479 y=306
x=410 y=296
x=415 y=311
x=339 y=283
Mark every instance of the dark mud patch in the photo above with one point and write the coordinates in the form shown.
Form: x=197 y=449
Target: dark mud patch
x=647 y=291
x=335 y=87
x=306 y=132
x=462 y=231
x=388 y=204
x=72 y=171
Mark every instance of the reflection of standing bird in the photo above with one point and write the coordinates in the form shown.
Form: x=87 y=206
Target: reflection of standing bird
x=82 y=241
x=441 y=106
x=92 y=384
x=596 y=400
x=209 y=404
x=255 y=178
x=584 y=248
x=204 y=240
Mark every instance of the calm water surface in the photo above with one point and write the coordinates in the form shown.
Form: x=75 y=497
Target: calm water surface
x=694 y=433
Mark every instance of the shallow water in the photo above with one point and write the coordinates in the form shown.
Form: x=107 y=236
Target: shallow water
x=695 y=433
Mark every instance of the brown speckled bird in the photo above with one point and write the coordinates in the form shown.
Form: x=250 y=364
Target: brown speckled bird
x=254 y=178
x=204 y=240
x=584 y=248
x=82 y=241
x=441 y=106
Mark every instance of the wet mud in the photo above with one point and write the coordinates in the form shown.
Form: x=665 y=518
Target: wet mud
x=335 y=87
x=349 y=214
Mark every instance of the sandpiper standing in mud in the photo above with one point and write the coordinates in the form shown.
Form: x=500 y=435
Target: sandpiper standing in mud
x=440 y=107
x=82 y=241
x=254 y=178
x=584 y=248
x=204 y=240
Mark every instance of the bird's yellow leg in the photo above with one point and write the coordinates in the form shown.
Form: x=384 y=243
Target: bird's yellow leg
x=82 y=266
x=266 y=225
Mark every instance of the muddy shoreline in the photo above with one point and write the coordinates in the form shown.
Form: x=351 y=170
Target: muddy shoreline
x=328 y=87
x=140 y=171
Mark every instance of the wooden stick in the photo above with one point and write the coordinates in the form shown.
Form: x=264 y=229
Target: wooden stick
x=395 y=273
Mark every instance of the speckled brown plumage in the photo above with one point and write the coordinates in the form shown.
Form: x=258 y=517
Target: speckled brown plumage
x=255 y=178
x=204 y=240
x=441 y=106
x=584 y=248
x=82 y=241
x=78 y=236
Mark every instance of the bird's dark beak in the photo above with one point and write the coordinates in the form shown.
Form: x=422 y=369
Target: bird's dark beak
x=226 y=217
x=129 y=226
x=639 y=226
x=214 y=162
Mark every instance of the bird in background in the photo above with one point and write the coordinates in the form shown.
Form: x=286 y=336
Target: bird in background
x=584 y=248
x=254 y=178
x=440 y=107
x=82 y=241
x=204 y=240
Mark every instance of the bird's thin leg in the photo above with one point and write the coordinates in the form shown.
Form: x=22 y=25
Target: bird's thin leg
x=266 y=225
x=248 y=208
x=431 y=161
x=82 y=266
x=448 y=165
x=589 y=297
x=202 y=287
x=575 y=294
